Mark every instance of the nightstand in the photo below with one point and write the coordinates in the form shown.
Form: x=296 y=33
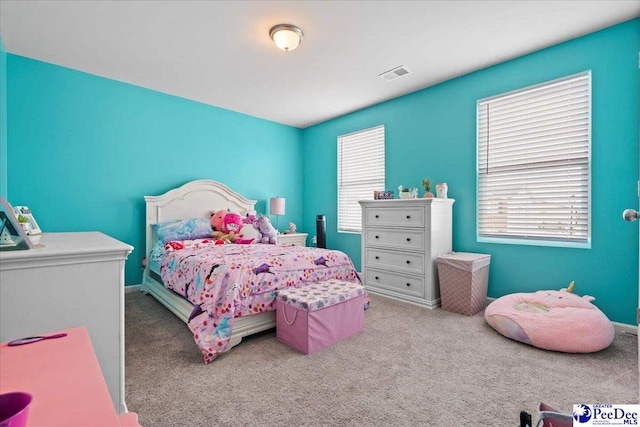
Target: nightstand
x=291 y=239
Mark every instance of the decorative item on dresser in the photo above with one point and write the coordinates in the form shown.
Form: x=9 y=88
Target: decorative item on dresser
x=12 y=235
x=441 y=190
x=293 y=239
x=401 y=240
x=73 y=279
x=426 y=183
x=26 y=219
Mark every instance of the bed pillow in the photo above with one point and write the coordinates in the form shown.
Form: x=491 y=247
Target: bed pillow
x=186 y=229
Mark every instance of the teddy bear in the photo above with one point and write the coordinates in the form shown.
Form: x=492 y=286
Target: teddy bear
x=221 y=237
x=268 y=234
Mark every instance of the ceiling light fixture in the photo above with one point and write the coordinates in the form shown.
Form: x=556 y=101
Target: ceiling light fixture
x=286 y=36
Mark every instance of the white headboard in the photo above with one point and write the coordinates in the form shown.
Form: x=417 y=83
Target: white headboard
x=195 y=199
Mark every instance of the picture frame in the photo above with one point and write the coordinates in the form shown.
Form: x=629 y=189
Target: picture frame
x=12 y=235
x=383 y=195
x=32 y=227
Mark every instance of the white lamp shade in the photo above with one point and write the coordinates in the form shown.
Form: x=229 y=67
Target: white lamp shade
x=286 y=37
x=276 y=205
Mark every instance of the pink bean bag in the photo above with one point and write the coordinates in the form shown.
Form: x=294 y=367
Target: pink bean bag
x=553 y=320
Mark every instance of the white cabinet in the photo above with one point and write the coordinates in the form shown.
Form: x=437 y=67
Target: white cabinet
x=293 y=239
x=70 y=279
x=401 y=240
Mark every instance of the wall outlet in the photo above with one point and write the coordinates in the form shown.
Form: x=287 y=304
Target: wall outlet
x=314 y=240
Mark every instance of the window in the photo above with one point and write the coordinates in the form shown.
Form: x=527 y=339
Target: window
x=360 y=173
x=533 y=160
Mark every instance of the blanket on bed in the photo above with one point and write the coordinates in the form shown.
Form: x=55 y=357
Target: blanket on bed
x=228 y=281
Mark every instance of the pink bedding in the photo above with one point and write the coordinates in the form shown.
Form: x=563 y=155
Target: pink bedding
x=228 y=281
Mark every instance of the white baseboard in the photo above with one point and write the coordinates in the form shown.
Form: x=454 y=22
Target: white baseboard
x=132 y=288
x=625 y=328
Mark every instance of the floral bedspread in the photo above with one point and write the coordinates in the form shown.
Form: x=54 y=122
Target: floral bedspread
x=228 y=281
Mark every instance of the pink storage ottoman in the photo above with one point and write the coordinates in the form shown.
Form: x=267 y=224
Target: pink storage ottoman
x=320 y=314
x=463 y=282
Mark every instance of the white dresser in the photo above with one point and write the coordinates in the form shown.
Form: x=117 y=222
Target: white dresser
x=73 y=279
x=401 y=240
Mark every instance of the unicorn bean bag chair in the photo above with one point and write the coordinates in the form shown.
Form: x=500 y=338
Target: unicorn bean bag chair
x=552 y=320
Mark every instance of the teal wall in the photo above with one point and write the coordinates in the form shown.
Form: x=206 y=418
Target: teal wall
x=431 y=133
x=3 y=121
x=84 y=150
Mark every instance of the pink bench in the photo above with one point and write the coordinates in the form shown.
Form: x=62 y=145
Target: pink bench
x=319 y=315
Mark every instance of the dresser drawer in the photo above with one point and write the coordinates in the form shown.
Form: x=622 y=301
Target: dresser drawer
x=412 y=262
x=408 y=285
x=292 y=239
x=401 y=239
x=395 y=217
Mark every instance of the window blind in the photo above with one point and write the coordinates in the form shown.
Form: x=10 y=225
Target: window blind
x=360 y=173
x=534 y=149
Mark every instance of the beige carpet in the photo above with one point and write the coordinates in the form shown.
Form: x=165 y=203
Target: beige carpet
x=410 y=367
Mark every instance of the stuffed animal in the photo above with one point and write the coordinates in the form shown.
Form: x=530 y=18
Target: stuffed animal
x=552 y=320
x=268 y=234
x=248 y=234
x=221 y=237
x=232 y=223
x=228 y=231
x=217 y=219
x=251 y=219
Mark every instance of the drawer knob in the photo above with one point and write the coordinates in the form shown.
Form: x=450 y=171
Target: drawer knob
x=377 y=257
x=377 y=216
x=408 y=284
x=408 y=262
x=377 y=237
x=408 y=239
x=408 y=216
x=376 y=277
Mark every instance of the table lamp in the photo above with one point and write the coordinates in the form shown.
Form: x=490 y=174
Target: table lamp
x=276 y=207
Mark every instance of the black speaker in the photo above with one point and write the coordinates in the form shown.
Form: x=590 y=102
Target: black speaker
x=321 y=231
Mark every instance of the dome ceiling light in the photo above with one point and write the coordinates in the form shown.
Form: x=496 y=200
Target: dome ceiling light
x=286 y=36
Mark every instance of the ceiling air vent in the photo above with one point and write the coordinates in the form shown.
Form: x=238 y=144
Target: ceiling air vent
x=395 y=73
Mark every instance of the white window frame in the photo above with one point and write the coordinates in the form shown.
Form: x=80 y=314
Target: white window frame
x=517 y=234
x=363 y=152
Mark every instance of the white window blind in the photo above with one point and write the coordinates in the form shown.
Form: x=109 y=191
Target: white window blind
x=360 y=173
x=534 y=149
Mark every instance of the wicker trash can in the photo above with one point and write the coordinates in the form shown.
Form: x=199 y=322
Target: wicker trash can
x=463 y=282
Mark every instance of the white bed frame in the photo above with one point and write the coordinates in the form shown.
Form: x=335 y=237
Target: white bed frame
x=196 y=199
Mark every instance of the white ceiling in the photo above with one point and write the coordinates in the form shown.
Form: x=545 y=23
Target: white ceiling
x=220 y=53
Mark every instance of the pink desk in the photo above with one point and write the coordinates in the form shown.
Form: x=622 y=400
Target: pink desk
x=65 y=379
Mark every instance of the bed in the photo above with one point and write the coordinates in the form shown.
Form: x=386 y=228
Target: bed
x=219 y=307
